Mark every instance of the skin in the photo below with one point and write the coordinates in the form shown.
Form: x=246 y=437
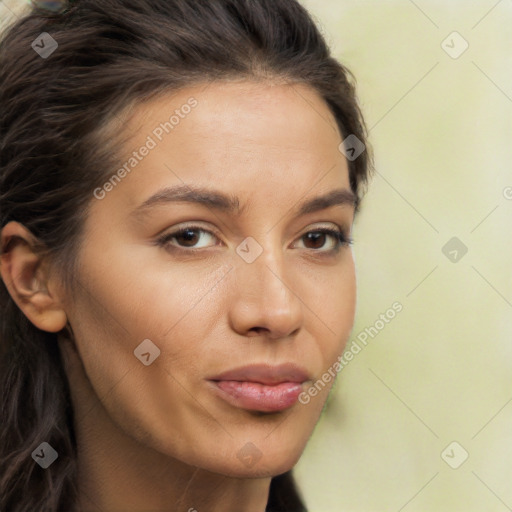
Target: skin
x=155 y=437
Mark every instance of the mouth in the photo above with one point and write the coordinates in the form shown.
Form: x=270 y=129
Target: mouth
x=261 y=388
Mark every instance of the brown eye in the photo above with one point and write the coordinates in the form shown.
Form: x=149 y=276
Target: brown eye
x=187 y=238
x=318 y=239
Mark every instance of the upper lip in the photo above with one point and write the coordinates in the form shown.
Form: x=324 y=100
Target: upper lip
x=265 y=374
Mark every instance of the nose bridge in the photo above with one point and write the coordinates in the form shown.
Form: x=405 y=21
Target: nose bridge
x=265 y=297
x=271 y=275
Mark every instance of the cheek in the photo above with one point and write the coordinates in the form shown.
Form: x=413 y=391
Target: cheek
x=331 y=297
x=144 y=295
x=121 y=305
x=176 y=310
x=343 y=322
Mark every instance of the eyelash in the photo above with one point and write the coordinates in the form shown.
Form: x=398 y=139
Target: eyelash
x=339 y=237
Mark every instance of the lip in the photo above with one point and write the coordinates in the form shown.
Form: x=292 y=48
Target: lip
x=261 y=388
x=266 y=374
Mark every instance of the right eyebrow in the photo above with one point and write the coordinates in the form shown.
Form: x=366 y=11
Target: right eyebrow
x=190 y=194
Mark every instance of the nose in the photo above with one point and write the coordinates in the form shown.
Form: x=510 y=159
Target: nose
x=264 y=303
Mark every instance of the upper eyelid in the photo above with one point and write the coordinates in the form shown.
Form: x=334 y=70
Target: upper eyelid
x=191 y=226
x=216 y=232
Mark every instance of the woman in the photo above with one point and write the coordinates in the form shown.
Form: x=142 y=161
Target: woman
x=178 y=184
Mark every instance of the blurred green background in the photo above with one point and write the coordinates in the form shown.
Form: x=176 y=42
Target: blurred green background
x=421 y=418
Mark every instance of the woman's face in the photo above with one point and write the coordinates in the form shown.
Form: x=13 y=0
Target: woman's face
x=160 y=315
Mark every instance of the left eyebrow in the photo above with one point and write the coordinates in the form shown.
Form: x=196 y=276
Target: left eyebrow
x=231 y=204
x=338 y=197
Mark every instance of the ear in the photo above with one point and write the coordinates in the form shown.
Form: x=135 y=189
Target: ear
x=27 y=279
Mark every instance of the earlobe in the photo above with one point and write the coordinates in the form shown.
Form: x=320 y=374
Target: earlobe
x=26 y=278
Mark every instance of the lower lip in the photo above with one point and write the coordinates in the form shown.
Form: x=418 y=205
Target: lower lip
x=254 y=396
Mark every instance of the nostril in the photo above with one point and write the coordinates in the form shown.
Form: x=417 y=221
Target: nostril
x=257 y=331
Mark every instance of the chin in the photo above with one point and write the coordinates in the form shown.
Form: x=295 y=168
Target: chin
x=261 y=469
x=275 y=458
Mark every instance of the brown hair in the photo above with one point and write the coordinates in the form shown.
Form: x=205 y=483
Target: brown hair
x=54 y=153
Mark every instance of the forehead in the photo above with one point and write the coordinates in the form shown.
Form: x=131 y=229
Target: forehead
x=239 y=136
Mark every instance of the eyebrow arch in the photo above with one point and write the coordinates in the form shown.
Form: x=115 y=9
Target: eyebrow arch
x=231 y=204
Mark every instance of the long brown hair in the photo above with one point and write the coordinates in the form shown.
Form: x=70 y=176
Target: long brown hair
x=54 y=153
